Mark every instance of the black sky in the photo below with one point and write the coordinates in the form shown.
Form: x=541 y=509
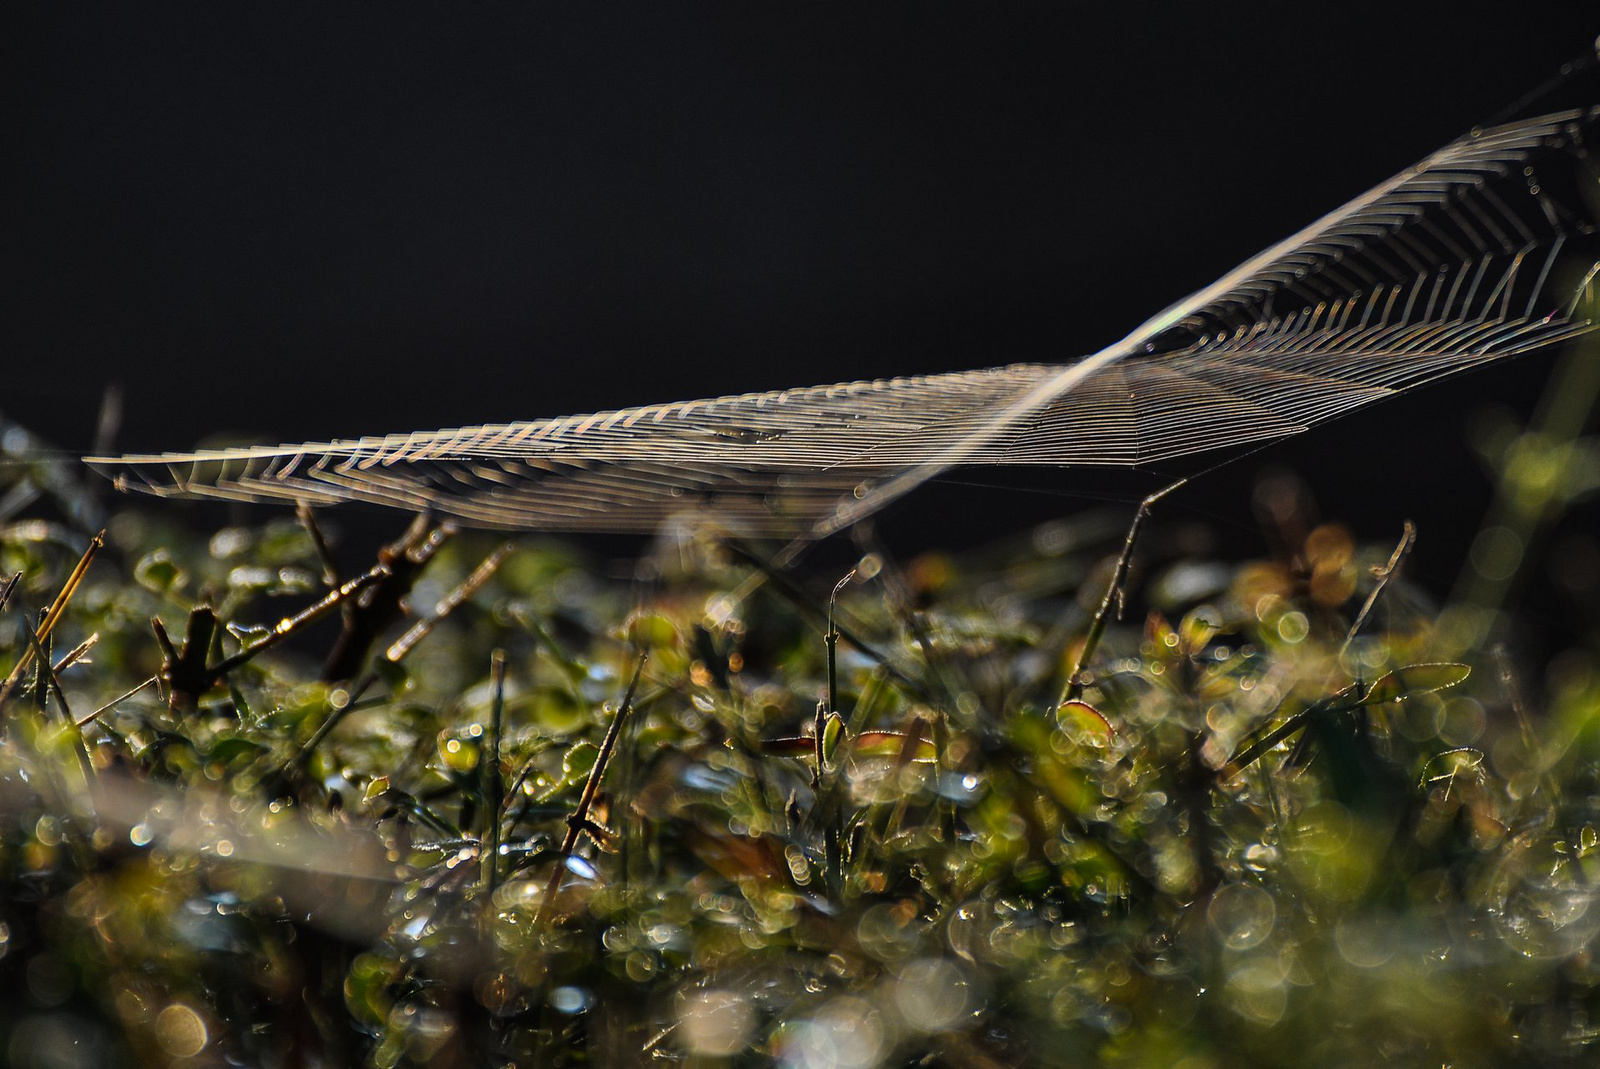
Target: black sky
x=333 y=220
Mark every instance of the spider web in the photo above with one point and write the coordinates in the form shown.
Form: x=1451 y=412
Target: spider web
x=1484 y=250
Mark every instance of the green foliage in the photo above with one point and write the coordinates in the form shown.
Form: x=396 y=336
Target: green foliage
x=1254 y=840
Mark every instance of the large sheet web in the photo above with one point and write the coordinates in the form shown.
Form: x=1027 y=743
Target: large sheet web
x=1486 y=249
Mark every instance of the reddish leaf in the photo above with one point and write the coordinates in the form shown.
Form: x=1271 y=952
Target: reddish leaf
x=892 y=744
x=1082 y=721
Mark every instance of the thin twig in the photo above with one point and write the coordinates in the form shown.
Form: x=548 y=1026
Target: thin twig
x=578 y=821
x=914 y=734
x=900 y=603
x=50 y=680
x=77 y=653
x=447 y=605
x=1508 y=683
x=59 y=607
x=827 y=801
x=1115 y=591
x=308 y=520
x=800 y=602
x=819 y=728
x=1408 y=539
x=1519 y=709
x=169 y=652
x=493 y=783
x=659 y=1038
x=53 y=615
x=114 y=702
x=383 y=603
x=832 y=641
x=830 y=705
x=1330 y=706
x=288 y=626
x=47 y=676
x=187 y=671
x=518 y=784
x=401 y=647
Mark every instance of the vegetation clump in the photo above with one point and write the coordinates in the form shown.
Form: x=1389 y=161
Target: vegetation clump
x=738 y=819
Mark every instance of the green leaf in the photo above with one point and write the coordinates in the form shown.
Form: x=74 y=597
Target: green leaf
x=284 y=542
x=393 y=674
x=578 y=761
x=653 y=630
x=576 y=764
x=367 y=986
x=790 y=746
x=1414 y=679
x=1082 y=722
x=241 y=706
x=232 y=749
x=158 y=572
x=558 y=712
x=1160 y=640
x=458 y=754
x=832 y=732
x=1447 y=766
x=1197 y=629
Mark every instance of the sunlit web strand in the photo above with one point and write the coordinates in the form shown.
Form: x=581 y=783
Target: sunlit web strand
x=1484 y=250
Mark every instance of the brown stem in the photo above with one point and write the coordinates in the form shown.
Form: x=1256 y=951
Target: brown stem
x=493 y=782
x=289 y=626
x=381 y=604
x=578 y=821
x=1408 y=539
x=114 y=702
x=52 y=615
x=1114 y=596
x=308 y=520
x=404 y=645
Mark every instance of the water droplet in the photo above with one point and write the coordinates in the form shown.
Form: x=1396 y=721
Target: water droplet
x=570 y=999
x=716 y=1023
x=1260 y=857
x=1242 y=915
x=932 y=995
x=181 y=1031
x=1293 y=627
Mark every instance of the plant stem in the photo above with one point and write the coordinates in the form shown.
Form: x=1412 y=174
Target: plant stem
x=493 y=783
x=1114 y=596
x=578 y=821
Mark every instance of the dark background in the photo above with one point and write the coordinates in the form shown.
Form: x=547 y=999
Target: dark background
x=300 y=223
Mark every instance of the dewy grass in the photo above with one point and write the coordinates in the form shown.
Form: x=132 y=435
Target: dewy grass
x=1257 y=835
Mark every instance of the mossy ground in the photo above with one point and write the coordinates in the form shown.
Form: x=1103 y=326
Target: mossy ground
x=1258 y=838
